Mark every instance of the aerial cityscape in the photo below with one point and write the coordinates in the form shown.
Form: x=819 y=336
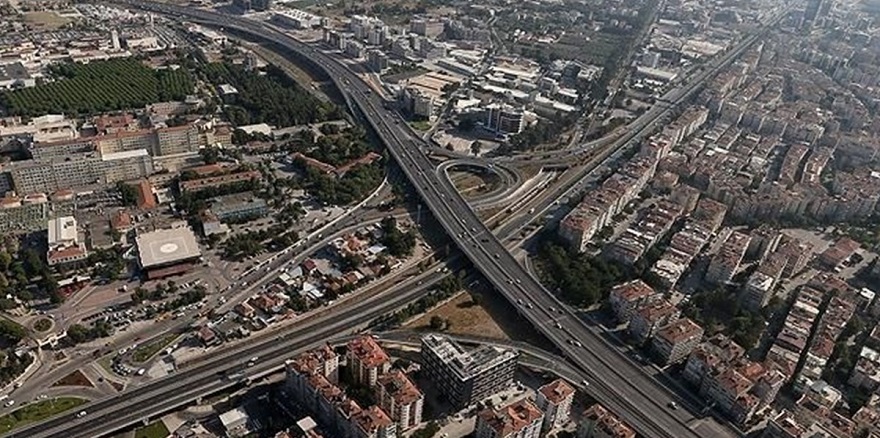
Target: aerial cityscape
x=439 y=219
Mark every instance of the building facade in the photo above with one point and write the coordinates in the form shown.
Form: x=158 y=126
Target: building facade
x=466 y=377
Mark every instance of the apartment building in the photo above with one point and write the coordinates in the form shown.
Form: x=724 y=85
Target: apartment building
x=627 y=297
x=866 y=374
x=554 y=399
x=760 y=286
x=367 y=360
x=710 y=356
x=398 y=396
x=466 y=377
x=521 y=419
x=322 y=360
x=674 y=343
x=308 y=379
x=726 y=262
x=647 y=320
x=373 y=422
x=598 y=422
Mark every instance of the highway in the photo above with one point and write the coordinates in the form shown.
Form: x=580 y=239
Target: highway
x=614 y=381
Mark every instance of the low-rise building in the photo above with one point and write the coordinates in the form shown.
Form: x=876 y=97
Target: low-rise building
x=63 y=242
x=239 y=206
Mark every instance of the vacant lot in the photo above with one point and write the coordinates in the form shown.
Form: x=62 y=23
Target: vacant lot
x=465 y=318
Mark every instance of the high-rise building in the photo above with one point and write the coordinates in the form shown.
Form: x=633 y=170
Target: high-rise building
x=367 y=360
x=554 y=399
x=401 y=399
x=466 y=377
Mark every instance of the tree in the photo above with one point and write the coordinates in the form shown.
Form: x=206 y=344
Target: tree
x=78 y=333
x=437 y=323
x=475 y=147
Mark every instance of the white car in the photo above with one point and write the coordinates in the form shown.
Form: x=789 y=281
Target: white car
x=9 y=403
x=81 y=414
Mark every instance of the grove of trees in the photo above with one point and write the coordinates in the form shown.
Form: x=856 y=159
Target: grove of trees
x=99 y=86
x=272 y=98
x=579 y=279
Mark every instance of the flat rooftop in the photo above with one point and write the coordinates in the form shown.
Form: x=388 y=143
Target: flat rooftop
x=166 y=247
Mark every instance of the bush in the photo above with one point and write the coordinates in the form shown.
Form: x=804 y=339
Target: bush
x=42 y=325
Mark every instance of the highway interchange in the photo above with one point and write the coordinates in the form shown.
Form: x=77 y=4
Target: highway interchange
x=613 y=379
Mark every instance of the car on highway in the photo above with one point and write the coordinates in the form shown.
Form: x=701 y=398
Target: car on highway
x=673 y=405
x=81 y=414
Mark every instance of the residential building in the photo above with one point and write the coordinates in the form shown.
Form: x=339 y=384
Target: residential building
x=554 y=399
x=726 y=262
x=598 y=422
x=674 y=343
x=399 y=396
x=367 y=360
x=627 y=297
x=373 y=422
x=521 y=419
x=646 y=321
x=322 y=360
x=713 y=354
x=866 y=373
x=466 y=377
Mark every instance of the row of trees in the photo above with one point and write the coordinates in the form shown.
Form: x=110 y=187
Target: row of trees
x=97 y=87
x=443 y=290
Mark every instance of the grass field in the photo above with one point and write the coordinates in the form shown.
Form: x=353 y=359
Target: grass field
x=45 y=19
x=145 y=352
x=154 y=430
x=39 y=411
